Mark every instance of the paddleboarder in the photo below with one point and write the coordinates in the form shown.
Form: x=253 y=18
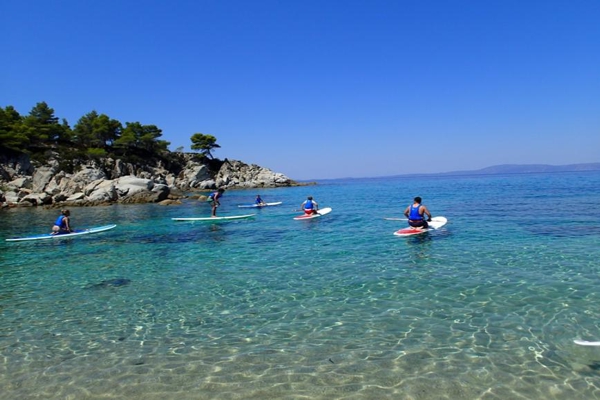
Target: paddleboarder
x=214 y=200
x=416 y=213
x=259 y=201
x=62 y=223
x=309 y=206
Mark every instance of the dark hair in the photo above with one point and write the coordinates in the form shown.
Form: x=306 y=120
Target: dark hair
x=418 y=200
x=309 y=197
x=220 y=190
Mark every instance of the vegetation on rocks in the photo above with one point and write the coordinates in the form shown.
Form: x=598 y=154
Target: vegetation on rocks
x=45 y=161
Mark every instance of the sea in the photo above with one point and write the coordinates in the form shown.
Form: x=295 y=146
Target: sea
x=337 y=307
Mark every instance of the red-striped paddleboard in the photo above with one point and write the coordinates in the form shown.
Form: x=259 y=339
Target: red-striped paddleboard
x=319 y=213
x=436 y=223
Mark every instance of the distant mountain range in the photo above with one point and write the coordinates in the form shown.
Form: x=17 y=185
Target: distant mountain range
x=502 y=169
x=527 y=169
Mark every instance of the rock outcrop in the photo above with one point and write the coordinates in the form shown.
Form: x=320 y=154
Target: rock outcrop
x=109 y=181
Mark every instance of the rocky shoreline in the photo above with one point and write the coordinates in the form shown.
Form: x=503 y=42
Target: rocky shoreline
x=108 y=181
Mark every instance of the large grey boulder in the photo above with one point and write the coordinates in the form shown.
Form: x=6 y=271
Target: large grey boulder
x=192 y=176
x=80 y=180
x=53 y=186
x=21 y=183
x=101 y=191
x=130 y=185
x=238 y=174
x=12 y=197
x=36 y=199
x=41 y=177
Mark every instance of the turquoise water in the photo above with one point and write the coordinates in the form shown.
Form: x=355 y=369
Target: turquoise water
x=337 y=307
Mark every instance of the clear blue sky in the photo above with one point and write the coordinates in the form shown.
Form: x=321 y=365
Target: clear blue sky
x=322 y=89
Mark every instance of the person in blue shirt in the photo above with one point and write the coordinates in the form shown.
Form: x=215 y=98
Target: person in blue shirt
x=416 y=213
x=213 y=198
x=259 y=201
x=62 y=223
x=309 y=206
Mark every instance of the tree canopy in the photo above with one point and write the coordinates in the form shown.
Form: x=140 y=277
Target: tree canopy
x=204 y=143
x=94 y=135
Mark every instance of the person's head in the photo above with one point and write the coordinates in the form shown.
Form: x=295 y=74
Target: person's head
x=418 y=200
x=309 y=197
x=221 y=190
x=258 y=196
x=66 y=213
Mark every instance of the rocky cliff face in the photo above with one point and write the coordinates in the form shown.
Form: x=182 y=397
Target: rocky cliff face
x=108 y=181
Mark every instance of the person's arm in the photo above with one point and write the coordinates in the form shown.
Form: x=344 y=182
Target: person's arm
x=67 y=224
x=316 y=205
x=426 y=212
x=406 y=211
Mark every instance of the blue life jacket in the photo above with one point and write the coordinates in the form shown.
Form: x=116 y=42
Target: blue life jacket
x=414 y=213
x=59 y=221
x=308 y=205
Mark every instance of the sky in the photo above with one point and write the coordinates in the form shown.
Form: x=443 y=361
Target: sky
x=322 y=89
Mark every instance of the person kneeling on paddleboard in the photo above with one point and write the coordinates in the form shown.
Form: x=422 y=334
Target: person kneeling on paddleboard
x=213 y=198
x=415 y=213
x=309 y=206
x=63 y=223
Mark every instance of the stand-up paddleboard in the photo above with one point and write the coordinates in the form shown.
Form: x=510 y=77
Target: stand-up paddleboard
x=319 y=213
x=436 y=223
x=586 y=343
x=77 y=232
x=260 y=205
x=215 y=219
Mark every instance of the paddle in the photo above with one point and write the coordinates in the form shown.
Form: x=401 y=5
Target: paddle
x=396 y=219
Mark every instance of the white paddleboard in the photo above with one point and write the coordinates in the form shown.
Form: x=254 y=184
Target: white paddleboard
x=260 y=205
x=319 y=213
x=586 y=343
x=215 y=219
x=77 y=232
x=436 y=223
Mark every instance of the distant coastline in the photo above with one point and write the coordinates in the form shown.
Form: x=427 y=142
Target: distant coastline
x=494 y=170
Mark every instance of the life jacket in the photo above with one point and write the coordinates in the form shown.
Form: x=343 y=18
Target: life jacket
x=414 y=213
x=213 y=196
x=59 y=221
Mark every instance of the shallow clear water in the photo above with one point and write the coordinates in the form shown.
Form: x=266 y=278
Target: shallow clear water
x=337 y=307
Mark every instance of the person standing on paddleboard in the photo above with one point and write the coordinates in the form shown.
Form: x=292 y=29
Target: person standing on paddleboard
x=415 y=214
x=63 y=223
x=309 y=206
x=213 y=198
